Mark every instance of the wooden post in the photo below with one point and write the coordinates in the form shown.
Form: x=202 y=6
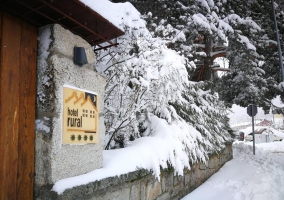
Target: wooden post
x=17 y=107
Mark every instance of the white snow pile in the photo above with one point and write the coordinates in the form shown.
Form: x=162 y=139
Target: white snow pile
x=278 y=133
x=168 y=143
x=115 y=13
x=247 y=176
x=248 y=130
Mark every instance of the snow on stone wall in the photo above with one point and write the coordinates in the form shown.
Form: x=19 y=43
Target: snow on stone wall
x=143 y=185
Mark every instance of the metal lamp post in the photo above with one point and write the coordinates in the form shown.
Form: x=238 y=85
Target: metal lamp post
x=278 y=42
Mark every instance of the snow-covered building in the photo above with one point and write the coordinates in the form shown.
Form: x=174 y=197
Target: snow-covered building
x=278 y=121
x=243 y=125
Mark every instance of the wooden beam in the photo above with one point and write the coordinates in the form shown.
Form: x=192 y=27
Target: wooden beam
x=9 y=113
x=27 y=93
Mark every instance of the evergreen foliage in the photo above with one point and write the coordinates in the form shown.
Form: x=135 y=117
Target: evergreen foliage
x=145 y=78
x=245 y=26
x=150 y=71
x=255 y=73
x=143 y=75
x=203 y=110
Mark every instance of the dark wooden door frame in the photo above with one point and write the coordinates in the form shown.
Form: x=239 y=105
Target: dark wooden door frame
x=17 y=107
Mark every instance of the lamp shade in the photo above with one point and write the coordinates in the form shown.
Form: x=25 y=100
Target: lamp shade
x=80 y=57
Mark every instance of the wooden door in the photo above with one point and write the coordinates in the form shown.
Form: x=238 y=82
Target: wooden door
x=17 y=107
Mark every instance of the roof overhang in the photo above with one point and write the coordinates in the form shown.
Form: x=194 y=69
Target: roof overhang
x=71 y=14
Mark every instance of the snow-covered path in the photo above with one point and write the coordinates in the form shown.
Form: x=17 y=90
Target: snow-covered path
x=247 y=176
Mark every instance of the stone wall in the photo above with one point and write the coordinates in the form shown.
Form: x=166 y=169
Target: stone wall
x=142 y=185
x=55 y=68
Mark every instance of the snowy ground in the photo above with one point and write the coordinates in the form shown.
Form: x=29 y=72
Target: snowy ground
x=247 y=176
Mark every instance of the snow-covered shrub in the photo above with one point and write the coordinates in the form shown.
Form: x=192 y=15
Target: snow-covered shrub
x=143 y=75
x=144 y=79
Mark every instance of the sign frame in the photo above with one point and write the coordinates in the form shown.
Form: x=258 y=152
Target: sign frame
x=79 y=116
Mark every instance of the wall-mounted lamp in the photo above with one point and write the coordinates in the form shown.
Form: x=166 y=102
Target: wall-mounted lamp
x=80 y=57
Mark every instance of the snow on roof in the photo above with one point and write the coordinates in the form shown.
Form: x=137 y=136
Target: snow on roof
x=248 y=130
x=264 y=122
x=114 y=12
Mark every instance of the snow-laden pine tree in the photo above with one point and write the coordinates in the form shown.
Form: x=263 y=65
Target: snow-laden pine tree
x=202 y=109
x=145 y=78
x=243 y=31
x=254 y=75
x=193 y=28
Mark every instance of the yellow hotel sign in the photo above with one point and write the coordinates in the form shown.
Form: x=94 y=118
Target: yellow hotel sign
x=80 y=116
